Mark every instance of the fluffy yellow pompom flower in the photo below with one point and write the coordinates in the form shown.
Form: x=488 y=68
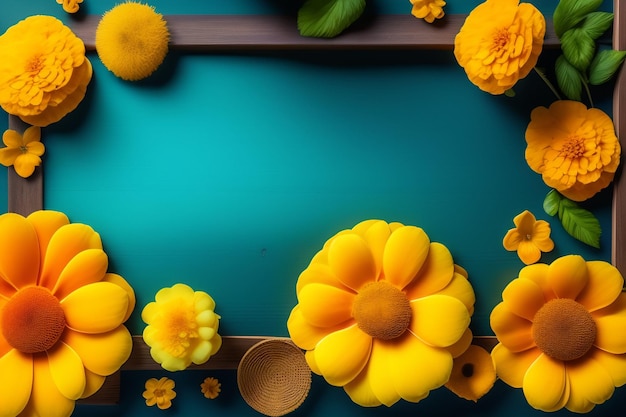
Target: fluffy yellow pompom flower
x=43 y=70
x=132 y=40
x=575 y=149
x=499 y=43
x=429 y=10
x=181 y=327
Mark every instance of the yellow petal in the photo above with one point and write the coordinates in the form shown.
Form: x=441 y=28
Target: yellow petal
x=528 y=252
x=8 y=156
x=341 y=355
x=604 y=286
x=86 y=267
x=304 y=334
x=545 y=383
x=511 y=367
x=439 y=320
x=32 y=134
x=463 y=343
x=511 y=240
x=589 y=381
x=523 y=298
x=461 y=289
x=351 y=260
x=103 y=353
x=610 y=324
x=122 y=283
x=325 y=306
x=16 y=380
x=45 y=399
x=436 y=273
x=93 y=383
x=12 y=138
x=360 y=391
x=46 y=223
x=25 y=164
x=19 y=251
x=95 y=308
x=538 y=273
x=615 y=365
x=404 y=256
x=512 y=331
x=67 y=242
x=376 y=236
x=378 y=373
x=568 y=276
x=67 y=371
x=318 y=273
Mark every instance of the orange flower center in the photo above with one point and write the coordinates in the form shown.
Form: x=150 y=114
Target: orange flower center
x=182 y=331
x=500 y=39
x=32 y=320
x=35 y=64
x=381 y=310
x=564 y=329
x=573 y=148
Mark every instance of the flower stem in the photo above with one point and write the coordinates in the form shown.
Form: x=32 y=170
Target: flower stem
x=548 y=83
x=588 y=92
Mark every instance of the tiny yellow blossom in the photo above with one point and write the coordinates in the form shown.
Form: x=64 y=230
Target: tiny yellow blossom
x=22 y=151
x=530 y=237
x=429 y=10
x=211 y=388
x=473 y=374
x=160 y=392
x=70 y=6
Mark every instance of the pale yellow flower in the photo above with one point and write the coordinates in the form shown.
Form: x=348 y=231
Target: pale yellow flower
x=499 y=43
x=530 y=237
x=211 y=388
x=160 y=392
x=429 y=10
x=22 y=151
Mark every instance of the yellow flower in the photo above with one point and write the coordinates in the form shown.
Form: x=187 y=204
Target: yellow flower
x=499 y=43
x=61 y=314
x=378 y=308
x=529 y=238
x=23 y=152
x=211 y=388
x=181 y=327
x=43 y=70
x=561 y=334
x=160 y=392
x=473 y=374
x=573 y=148
x=429 y=10
x=132 y=40
x=70 y=6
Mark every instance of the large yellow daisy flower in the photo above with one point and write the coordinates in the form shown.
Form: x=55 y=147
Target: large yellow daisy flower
x=379 y=310
x=61 y=315
x=561 y=333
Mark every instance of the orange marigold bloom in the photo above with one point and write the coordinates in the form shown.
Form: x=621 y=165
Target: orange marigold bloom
x=429 y=10
x=43 y=70
x=529 y=238
x=211 y=388
x=159 y=392
x=499 y=43
x=575 y=149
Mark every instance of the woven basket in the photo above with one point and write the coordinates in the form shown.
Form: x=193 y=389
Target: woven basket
x=273 y=377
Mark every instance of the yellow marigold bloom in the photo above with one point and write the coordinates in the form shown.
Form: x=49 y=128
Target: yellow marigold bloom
x=561 y=334
x=473 y=374
x=70 y=6
x=575 y=149
x=22 y=151
x=160 y=392
x=132 y=40
x=530 y=237
x=181 y=327
x=43 y=70
x=429 y=10
x=378 y=308
x=499 y=43
x=211 y=388
x=61 y=314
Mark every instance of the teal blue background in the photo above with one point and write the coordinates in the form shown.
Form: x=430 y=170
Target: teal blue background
x=228 y=171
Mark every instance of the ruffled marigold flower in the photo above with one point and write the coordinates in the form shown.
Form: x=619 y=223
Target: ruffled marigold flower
x=43 y=70
x=499 y=43
x=211 y=388
x=429 y=10
x=22 y=151
x=61 y=314
x=378 y=309
x=561 y=334
x=529 y=238
x=473 y=374
x=575 y=149
x=160 y=392
x=70 y=6
x=181 y=327
x=132 y=40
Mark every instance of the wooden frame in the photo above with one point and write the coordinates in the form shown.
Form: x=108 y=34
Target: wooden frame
x=205 y=33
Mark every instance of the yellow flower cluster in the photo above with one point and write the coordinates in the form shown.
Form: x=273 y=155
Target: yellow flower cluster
x=43 y=70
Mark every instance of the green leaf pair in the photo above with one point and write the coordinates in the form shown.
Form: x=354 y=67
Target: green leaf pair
x=580 y=223
x=328 y=18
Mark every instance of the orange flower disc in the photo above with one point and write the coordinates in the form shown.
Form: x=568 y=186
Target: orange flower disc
x=32 y=320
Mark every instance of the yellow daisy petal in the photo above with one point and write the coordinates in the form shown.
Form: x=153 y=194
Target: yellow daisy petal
x=122 y=283
x=93 y=383
x=340 y=369
x=302 y=333
x=376 y=236
x=463 y=343
x=568 y=276
x=46 y=223
x=545 y=383
x=318 y=273
x=604 y=286
x=523 y=297
x=86 y=267
x=360 y=391
x=378 y=372
x=405 y=253
x=95 y=308
x=16 y=380
x=19 y=251
x=436 y=273
x=67 y=371
x=511 y=367
x=610 y=322
x=461 y=289
x=590 y=381
x=25 y=164
x=439 y=320
x=615 y=365
x=8 y=156
x=512 y=331
x=336 y=308
x=351 y=260
x=45 y=399
x=104 y=353
x=528 y=252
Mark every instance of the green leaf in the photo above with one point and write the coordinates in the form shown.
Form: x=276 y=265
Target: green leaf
x=569 y=13
x=509 y=93
x=568 y=78
x=578 y=47
x=328 y=18
x=605 y=65
x=580 y=223
x=551 y=202
x=597 y=23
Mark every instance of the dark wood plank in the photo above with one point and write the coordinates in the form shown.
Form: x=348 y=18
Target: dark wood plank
x=25 y=195
x=270 y=32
